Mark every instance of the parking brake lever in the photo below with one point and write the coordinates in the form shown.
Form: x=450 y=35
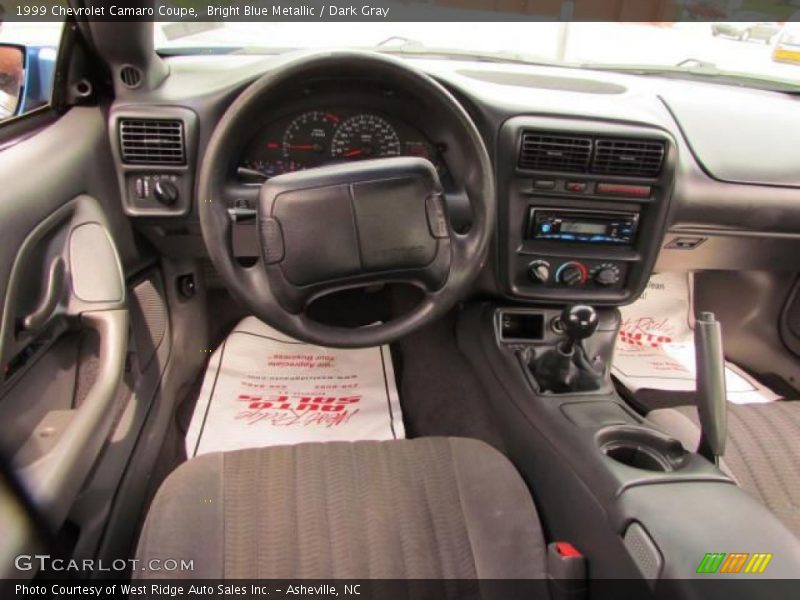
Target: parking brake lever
x=711 y=393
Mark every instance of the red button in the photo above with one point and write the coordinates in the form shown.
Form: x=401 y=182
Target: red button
x=575 y=186
x=566 y=549
x=623 y=189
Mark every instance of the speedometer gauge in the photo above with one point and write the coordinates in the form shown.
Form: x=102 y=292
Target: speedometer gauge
x=306 y=138
x=365 y=136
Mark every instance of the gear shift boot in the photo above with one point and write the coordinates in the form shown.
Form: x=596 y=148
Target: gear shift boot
x=565 y=367
x=555 y=371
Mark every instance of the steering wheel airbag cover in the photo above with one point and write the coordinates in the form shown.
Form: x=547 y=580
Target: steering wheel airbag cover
x=347 y=219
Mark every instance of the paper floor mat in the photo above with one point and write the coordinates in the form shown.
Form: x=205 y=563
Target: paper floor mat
x=264 y=389
x=655 y=348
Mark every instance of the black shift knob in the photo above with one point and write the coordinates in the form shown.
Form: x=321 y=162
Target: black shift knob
x=579 y=322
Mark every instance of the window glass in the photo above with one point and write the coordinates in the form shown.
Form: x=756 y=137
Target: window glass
x=745 y=51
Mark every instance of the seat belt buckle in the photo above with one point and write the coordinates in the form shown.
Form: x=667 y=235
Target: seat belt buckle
x=566 y=572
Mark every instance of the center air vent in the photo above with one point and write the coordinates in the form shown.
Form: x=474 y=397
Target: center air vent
x=627 y=157
x=547 y=152
x=631 y=158
x=152 y=142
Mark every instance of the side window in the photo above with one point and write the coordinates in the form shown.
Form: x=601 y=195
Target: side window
x=27 y=64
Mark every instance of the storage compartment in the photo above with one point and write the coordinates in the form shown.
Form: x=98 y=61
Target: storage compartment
x=521 y=326
x=641 y=448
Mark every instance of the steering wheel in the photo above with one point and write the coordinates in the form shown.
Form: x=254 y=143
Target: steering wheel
x=349 y=225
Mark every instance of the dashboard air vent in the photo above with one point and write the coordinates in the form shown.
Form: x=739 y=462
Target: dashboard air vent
x=631 y=158
x=152 y=142
x=547 y=152
x=131 y=76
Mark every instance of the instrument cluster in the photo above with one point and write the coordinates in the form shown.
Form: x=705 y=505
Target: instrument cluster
x=330 y=135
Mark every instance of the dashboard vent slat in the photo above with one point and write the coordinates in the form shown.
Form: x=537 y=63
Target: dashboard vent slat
x=548 y=152
x=628 y=157
x=152 y=142
x=131 y=77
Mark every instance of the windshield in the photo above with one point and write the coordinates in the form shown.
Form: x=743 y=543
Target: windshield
x=741 y=49
x=789 y=38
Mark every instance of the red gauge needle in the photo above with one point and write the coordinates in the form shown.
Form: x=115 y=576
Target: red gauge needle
x=300 y=146
x=353 y=153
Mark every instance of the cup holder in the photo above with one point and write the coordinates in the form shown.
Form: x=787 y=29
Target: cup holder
x=641 y=448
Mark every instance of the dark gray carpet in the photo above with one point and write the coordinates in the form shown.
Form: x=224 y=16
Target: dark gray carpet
x=439 y=393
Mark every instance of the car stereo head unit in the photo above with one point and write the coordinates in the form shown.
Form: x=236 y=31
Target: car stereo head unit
x=593 y=227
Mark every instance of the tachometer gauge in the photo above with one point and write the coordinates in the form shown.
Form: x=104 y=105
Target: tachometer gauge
x=307 y=137
x=365 y=136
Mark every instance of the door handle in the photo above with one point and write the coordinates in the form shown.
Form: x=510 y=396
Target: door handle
x=54 y=478
x=53 y=292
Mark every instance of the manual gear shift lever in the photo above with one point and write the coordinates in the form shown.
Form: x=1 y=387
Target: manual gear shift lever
x=565 y=368
x=579 y=322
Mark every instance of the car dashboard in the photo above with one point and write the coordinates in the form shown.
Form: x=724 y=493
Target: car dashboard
x=599 y=175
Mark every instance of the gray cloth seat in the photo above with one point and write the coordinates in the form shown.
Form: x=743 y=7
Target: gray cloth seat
x=429 y=508
x=762 y=450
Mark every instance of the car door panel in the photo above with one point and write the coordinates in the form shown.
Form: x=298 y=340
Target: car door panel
x=90 y=297
x=64 y=328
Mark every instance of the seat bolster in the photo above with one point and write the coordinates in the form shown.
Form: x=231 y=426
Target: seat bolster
x=502 y=524
x=185 y=522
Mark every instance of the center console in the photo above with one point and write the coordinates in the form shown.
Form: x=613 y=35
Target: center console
x=645 y=508
x=583 y=208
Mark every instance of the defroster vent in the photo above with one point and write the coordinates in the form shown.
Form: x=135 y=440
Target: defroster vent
x=152 y=142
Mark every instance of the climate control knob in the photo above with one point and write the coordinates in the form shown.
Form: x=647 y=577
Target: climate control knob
x=539 y=271
x=571 y=274
x=606 y=277
x=605 y=274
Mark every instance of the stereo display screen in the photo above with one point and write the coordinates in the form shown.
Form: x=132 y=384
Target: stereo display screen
x=583 y=227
